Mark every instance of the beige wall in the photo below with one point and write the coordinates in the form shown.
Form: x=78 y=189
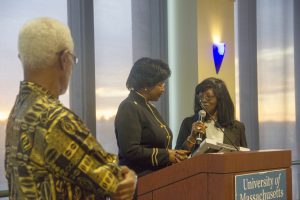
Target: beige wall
x=190 y=21
x=215 y=20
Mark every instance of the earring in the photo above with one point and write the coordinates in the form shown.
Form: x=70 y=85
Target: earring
x=145 y=89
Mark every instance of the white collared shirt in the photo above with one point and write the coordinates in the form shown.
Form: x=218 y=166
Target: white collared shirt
x=213 y=132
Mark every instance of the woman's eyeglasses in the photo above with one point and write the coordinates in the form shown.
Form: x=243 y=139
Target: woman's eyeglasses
x=206 y=97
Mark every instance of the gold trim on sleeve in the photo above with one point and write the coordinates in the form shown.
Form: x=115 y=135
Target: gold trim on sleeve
x=154 y=157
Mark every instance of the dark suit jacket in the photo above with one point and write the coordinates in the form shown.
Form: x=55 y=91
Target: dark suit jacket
x=236 y=133
x=142 y=135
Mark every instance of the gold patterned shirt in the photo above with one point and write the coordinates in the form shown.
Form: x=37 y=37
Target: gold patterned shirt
x=50 y=153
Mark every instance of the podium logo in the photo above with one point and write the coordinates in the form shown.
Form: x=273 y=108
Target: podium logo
x=261 y=185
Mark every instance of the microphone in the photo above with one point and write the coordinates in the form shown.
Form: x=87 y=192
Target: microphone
x=201 y=115
x=216 y=123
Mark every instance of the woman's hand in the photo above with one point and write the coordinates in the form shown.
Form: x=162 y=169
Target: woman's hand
x=198 y=127
x=176 y=156
x=181 y=155
x=172 y=157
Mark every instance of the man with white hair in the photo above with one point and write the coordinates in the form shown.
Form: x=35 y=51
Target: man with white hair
x=50 y=153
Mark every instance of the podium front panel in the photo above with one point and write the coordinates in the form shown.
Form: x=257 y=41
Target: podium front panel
x=147 y=196
x=192 y=188
x=212 y=176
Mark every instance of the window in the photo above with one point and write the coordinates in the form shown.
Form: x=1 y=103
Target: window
x=113 y=61
x=276 y=91
x=276 y=83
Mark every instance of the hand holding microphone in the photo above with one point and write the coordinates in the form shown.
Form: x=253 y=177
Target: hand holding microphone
x=198 y=127
x=217 y=125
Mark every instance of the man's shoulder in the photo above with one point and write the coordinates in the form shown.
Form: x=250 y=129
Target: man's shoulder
x=40 y=111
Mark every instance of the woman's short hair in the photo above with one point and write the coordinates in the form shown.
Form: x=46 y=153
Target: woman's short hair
x=147 y=72
x=41 y=40
x=225 y=107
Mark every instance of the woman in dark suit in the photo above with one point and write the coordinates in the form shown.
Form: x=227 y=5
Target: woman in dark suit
x=215 y=99
x=143 y=137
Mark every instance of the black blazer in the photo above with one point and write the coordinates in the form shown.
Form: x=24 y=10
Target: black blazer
x=236 y=133
x=142 y=135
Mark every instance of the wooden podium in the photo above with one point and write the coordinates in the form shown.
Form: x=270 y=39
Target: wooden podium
x=211 y=176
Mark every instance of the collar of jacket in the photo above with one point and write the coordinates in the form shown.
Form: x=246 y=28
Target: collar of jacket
x=27 y=86
x=138 y=98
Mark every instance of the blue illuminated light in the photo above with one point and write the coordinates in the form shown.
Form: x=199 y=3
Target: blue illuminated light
x=218 y=54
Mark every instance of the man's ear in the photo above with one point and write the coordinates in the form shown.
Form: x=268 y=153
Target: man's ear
x=63 y=59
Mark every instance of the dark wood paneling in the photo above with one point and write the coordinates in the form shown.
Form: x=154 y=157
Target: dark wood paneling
x=189 y=189
x=147 y=196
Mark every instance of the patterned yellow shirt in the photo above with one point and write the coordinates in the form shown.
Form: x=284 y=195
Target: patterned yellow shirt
x=50 y=153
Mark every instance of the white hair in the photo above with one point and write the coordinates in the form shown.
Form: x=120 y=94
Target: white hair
x=41 y=40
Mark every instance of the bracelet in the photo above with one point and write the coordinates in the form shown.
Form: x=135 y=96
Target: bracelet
x=191 y=142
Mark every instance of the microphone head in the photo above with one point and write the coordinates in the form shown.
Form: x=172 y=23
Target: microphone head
x=202 y=113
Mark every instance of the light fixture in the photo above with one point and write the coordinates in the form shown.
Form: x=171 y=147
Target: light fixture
x=218 y=54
